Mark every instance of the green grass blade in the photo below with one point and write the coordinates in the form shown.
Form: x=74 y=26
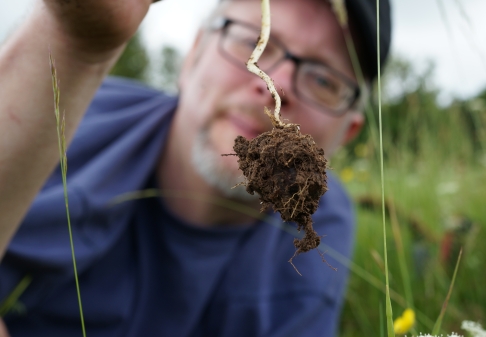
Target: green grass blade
x=60 y=126
x=407 y=285
x=362 y=84
x=438 y=323
x=389 y=312
x=10 y=301
x=382 y=330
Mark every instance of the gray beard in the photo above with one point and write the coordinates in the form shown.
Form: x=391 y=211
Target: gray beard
x=207 y=162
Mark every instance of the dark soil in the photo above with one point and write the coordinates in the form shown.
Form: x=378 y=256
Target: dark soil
x=288 y=171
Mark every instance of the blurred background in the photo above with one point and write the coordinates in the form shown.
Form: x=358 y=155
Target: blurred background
x=434 y=142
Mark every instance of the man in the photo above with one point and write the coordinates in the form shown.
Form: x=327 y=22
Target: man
x=197 y=260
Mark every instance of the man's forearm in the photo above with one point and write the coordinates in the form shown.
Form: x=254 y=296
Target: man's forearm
x=28 y=138
x=3 y=329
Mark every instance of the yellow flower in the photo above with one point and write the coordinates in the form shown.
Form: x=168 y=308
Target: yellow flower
x=405 y=322
x=346 y=174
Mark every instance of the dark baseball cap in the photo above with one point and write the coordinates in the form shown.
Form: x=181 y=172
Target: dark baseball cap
x=362 y=21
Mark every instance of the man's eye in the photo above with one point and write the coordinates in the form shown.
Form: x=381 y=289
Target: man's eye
x=324 y=82
x=250 y=43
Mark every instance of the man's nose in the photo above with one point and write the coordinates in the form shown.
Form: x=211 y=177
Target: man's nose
x=282 y=76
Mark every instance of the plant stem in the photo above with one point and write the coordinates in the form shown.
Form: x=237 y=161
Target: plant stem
x=60 y=126
x=389 y=313
x=438 y=323
x=11 y=300
x=253 y=67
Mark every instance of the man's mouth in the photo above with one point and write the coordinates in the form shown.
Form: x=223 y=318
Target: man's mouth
x=247 y=127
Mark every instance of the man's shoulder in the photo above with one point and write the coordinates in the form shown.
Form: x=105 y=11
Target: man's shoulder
x=119 y=94
x=117 y=85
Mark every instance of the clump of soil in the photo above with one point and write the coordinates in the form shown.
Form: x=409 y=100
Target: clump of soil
x=288 y=171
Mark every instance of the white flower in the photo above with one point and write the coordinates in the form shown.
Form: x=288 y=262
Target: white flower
x=474 y=328
x=453 y=335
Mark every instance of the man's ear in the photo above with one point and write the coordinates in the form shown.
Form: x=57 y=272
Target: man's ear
x=356 y=122
x=191 y=58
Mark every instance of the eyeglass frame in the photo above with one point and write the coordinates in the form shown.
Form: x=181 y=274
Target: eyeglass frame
x=222 y=23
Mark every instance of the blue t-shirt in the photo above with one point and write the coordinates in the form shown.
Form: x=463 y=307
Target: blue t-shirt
x=144 y=272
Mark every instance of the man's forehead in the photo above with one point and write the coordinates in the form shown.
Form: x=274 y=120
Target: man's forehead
x=256 y=4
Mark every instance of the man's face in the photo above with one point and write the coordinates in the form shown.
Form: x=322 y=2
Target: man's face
x=220 y=101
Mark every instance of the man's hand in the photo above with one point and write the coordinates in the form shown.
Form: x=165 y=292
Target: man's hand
x=3 y=329
x=94 y=26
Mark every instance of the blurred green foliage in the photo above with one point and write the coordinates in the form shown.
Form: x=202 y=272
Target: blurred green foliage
x=134 y=61
x=435 y=168
x=170 y=64
x=161 y=71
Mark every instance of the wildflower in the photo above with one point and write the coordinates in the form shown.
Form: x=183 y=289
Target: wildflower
x=474 y=328
x=453 y=335
x=347 y=174
x=405 y=322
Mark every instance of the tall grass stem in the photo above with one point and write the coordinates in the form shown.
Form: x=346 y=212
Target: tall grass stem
x=11 y=300
x=389 y=313
x=407 y=285
x=438 y=323
x=61 y=138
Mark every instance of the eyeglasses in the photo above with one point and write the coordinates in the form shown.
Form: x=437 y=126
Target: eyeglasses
x=315 y=83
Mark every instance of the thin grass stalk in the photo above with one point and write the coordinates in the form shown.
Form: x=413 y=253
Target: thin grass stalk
x=464 y=15
x=401 y=255
x=389 y=312
x=438 y=323
x=362 y=84
x=339 y=9
x=467 y=37
x=10 y=301
x=382 y=331
x=481 y=127
x=443 y=14
x=61 y=138
x=360 y=312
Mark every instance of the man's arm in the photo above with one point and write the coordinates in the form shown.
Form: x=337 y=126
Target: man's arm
x=85 y=39
x=3 y=329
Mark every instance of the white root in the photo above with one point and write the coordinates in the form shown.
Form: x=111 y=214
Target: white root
x=253 y=67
